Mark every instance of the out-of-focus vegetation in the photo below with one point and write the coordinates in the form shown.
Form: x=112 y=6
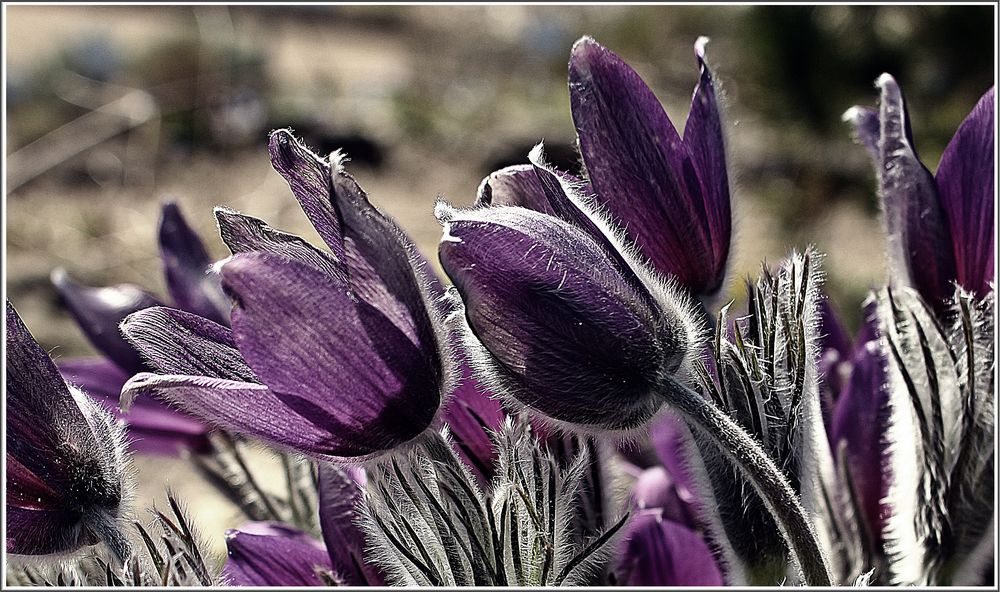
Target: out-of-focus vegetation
x=111 y=108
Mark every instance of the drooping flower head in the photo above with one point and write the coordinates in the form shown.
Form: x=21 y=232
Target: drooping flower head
x=940 y=226
x=334 y=354
x=66 y=465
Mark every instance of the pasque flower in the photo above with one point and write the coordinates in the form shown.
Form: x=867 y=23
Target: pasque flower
x=65 y=458
x=333 y=354
x=940 y=226
x=152 y=426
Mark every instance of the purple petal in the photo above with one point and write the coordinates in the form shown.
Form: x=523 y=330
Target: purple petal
x=575 y=341
x=642 y=171
x=655 y=488
x=669 y=436
x=244 y=234
x=860 y=420
x=240 y=407
x=275 y=555
x=704 y=139
x=44 y=532
x=339 y=496
x=186 y=265
x=98 y=311
x=967 y=188
x=337 y=361
x=658 y=552
x=471 y=414
x=178 y=342
x=152 y=426
x=919 y=238
x=515 y=186
x=309 y=178
x=835 y=351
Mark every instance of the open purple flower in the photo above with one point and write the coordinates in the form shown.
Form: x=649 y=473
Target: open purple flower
x=670 y=193
x=152 y=426
x=940 y=226
x=65 y=458
x=333 y=354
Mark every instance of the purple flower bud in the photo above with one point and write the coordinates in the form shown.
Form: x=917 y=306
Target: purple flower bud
x=560 y=321
x=656 y=488
x=339 y=496
x=656 y=551
x=471 y=414
x=670 y=194
x=65 y=458
x=940 y=226
x=186 y=266
x=332 y=354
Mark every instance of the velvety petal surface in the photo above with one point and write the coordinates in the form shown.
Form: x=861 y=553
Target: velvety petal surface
x=966 y=182
x=274 y=555
x=644 y=173
x=329 y=357
x=658 y=552
x=920 y=243
x=186 y=266
x=339 y=496
x=244 y=234
x=574 y=338
x=98 y=311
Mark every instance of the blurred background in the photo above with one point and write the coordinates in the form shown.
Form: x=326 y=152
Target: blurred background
x=111 y=109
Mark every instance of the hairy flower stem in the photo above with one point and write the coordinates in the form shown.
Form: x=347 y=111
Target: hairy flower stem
x=753 y=462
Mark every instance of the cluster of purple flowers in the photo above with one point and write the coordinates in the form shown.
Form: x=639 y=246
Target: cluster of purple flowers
x=481 y=433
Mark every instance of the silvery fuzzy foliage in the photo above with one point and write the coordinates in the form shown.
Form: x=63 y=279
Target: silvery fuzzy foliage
x=763 y=374
x=228 y=469
x=429 y=523
x=172 y=553
x=941 y=441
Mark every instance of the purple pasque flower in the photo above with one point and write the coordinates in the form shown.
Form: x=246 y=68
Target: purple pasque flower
x=152 y=426
x=333 y=354
x=65 y=458
x=670 y=193
x=562 y=317
x=940 y=226
x=274 y=554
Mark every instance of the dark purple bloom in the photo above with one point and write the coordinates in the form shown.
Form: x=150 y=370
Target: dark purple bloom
x=334 y=354
x=567 y=325
x=940 y=226
x=152 y=426
x=65 y=458
x=656 y=551
x=669 y=193
x=273 y=554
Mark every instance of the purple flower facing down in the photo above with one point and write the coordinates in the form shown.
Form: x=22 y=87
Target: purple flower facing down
x=152 y=426
x=559 y=320
x=669 y=192
x=65 y=458
x=333 y=354
x=656 y=551
x=940 y=226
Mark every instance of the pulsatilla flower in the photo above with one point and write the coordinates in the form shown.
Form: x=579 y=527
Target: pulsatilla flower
x=333 y=354
x=940 y=226
x=65 y=458
x=561 y=322
x=152 y=426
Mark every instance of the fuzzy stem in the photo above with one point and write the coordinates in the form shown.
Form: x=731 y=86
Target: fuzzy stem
x=764 y=475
